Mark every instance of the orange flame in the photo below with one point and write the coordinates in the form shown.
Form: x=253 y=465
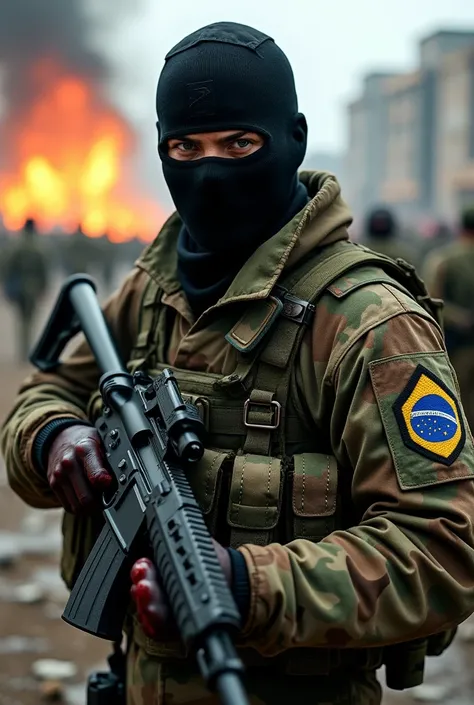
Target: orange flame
x=69 y=155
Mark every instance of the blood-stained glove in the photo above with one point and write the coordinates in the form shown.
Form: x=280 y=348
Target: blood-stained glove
x=152 y=606
x=76 y=468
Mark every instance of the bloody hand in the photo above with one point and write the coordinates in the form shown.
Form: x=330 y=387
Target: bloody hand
x=77 y=470
x=152 y=606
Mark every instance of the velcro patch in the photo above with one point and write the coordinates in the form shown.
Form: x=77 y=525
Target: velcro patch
x=254 y=324
x=429 y=418
x=413 y=391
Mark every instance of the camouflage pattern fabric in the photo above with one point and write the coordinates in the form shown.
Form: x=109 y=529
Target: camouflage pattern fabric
x=153 y=682
x=371 y=375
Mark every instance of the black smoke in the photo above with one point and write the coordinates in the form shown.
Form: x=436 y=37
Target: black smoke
x=32 y=31
x=42 y=41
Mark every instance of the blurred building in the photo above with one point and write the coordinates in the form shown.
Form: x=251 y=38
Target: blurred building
x=365 y=162
x=413 y=147
x=333 y=162
x=401 y=180
x=455 y=135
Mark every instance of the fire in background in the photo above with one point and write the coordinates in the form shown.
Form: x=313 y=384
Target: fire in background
x=66 y=151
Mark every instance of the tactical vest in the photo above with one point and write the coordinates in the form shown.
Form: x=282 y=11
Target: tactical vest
x=266 y=475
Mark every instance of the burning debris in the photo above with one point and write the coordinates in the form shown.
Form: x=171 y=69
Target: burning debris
x=65 y=148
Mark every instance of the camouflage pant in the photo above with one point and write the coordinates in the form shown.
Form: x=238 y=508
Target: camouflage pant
x=150 y=682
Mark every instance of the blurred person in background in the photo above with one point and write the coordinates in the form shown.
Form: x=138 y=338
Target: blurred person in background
x=435 y=236
x=339 y=529
x=449 y=275
x=80 y=253
x=107 y=251
x=382 y=234
x=3 y=237
x=25 y=277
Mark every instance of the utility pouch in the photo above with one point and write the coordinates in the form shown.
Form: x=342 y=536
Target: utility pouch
x=405 y=664
x=108 y=687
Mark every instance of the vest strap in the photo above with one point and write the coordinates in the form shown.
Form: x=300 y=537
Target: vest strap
x=145 y=342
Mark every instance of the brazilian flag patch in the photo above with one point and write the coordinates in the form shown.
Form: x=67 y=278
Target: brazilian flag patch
x=429 y=418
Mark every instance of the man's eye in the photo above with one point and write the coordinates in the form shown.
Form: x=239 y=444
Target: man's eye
x=186 y=146
x=242 y=143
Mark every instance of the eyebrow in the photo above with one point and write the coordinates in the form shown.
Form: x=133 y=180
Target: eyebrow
x=222 y=140
x=234 y=136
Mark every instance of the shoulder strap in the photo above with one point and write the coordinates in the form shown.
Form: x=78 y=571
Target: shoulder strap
x=147 y=324
x=299 y=290
x=340 y=259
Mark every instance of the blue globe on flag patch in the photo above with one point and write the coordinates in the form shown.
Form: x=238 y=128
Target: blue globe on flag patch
x=432 y=418
x=429 y=417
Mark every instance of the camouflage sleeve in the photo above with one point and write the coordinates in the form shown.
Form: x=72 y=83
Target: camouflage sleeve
x=403 y=568
x=43 y=397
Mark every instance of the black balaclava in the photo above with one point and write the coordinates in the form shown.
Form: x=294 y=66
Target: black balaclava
x=228 y=76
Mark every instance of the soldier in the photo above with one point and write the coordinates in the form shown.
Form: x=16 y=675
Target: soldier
x=80 y=253
x=338 y=479
x=382 y=235
x=449 y=274
x=25 y=280
x=440 y=235
x=107 y=253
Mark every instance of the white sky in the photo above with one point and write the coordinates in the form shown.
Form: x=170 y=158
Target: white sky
x=330 y=45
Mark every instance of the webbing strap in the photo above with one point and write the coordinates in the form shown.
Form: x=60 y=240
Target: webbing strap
x=274 y=365
x=322 y=270
x=145 y=343
x=261 y=416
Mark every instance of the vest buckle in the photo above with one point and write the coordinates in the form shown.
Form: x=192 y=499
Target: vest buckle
x=273 y=408
x=295 y=309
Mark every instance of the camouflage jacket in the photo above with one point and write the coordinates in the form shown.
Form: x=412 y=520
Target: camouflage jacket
x=372 y=377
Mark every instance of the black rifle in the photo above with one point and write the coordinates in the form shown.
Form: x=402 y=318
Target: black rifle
x=150 y=436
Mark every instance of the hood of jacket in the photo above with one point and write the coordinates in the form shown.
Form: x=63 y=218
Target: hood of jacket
x=323 y=221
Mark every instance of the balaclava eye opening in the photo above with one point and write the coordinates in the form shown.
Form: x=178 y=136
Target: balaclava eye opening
x=229 y=76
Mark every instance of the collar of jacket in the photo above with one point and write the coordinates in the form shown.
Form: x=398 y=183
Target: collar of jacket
x=323 y=221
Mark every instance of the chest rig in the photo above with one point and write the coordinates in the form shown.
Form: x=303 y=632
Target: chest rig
x=266 y=475
x=279 y=475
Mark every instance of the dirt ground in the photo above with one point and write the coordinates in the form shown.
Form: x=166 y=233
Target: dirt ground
x=32 y=596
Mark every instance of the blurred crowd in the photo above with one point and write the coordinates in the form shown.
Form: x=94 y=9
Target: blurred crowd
x=29 y=262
